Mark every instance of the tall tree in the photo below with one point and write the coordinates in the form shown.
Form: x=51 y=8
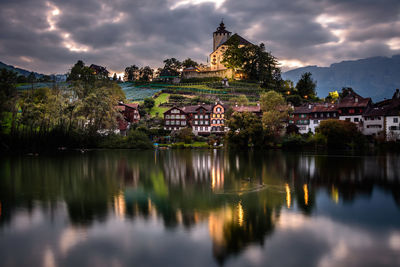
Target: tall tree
x=172 y=65
x=115 y=77
x=275 y=111
x=189 y=63
x=306 y=86
x=131 y=73
x=244 y=129
x=146 y=73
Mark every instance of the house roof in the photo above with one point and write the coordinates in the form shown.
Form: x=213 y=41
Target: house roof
x=247 y=108
x=326 y=107
x=353 y=100
x=174 y=107
x=306 y=108
x=133 y=105
x=236 y=38
x=194 y=108
x=390 y=107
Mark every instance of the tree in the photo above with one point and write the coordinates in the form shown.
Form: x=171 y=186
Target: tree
x=332 y=96
x=131 y=73
x=146 y=74
x=185 y=135
x=244 y=129
x=240 y=100
x=149 y=103
x=8 y=95
x=173 y=66
x=115 y=77
x=189 y=63
x=340 y=134
x=306 y=86
x=275 y=111
x=255 y=62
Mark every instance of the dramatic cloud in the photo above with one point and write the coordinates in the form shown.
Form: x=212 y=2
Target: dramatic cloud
x=50 y=36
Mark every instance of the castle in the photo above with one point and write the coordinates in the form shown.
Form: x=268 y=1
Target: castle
x=222 y=38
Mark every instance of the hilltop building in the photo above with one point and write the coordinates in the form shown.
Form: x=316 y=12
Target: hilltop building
x=222 y=38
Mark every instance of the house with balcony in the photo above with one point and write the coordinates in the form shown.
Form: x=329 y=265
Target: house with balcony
x=129 y=114
x=218 y=125
x=352 y=106
x=300 y=116
x=199 y=118
x=175 y=119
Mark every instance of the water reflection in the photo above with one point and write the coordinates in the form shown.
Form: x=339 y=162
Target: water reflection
x=252 y=205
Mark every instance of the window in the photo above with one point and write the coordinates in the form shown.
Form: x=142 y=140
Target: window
x=196 y=116
x=355 y=119
x=201 y=122
x=218 y=109
x=351 y=111
x=172 y=122
x=321 y=115
x=327 y=115
x=195 y=128
x=201 y=128
x=183 y=122
x=395 y=120
x=167 y=122
x=167 y=116
x=218 y=115
x=201 y=116
x=315 y=121
x=222 y=121
x=178 y=123
x=214 y=121
x=334 y=115
x=196 y=122
x=290 y=121
x=206 y=122
x=182 y=116
x=315 y=115
x=172 y=116
x=206 y=116
x=206 y=128
x=218 y=121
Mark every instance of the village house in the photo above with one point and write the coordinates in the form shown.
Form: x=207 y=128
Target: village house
x=383 y=118
x=175 y=119
x=300 y=116
x=129 y=115
x=352 y=107
x=218 y=118
x=199 y=118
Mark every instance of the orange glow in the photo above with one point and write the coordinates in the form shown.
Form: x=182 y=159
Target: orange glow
x=240 y=214
x=217 y=177
x=305 y=189
x=288 y=92
x=120 y=205
x=288 y=197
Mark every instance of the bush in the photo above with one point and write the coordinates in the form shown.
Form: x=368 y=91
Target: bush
x=341 y=134
x=293 y=141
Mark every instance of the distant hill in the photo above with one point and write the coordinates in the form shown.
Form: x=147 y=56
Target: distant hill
x=375 y=77
x=56 y=77
x=18 y=70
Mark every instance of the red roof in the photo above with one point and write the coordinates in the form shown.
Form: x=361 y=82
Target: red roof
x=353 y=100
x=247 y=108
x=133 y=105
x=193 y=109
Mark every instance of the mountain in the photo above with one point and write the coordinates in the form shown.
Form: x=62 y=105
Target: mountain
x=55 y=77
x=376 y=77
x=19 y=71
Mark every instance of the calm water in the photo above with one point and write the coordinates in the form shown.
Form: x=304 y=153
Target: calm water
x=199 y=208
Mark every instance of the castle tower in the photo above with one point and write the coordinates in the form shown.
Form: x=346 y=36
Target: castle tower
x=220 y=35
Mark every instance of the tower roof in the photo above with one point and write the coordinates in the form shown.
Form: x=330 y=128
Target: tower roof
x=236 y=38
x=221 y=28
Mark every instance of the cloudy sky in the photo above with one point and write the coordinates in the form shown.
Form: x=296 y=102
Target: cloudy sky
x=49 y=36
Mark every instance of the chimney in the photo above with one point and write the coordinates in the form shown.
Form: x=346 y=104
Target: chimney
x=309 y=106
x=356 y=99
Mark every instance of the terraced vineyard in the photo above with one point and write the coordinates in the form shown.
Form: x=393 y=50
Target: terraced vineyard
x=138 y=93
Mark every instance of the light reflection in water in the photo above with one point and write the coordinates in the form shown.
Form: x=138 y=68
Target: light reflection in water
x=120 y=205
x=305 y=189
x=288 y=197
x=240 y=213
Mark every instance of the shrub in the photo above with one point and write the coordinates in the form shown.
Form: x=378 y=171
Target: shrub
x=340 y=134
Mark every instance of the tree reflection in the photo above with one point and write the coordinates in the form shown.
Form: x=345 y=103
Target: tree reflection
x=239 y=195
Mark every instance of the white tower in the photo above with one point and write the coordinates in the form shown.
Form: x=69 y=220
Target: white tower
x=220 y=35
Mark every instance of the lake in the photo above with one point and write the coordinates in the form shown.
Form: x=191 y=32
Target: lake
x=199 y=208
